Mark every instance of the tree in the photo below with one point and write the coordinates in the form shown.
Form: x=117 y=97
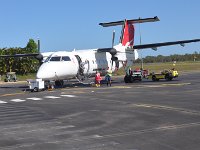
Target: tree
x=22 y=65
x=30 y=64
x=31 y=46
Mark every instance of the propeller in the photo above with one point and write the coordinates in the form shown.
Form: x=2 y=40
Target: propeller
x=39 y=57
x=113 y=38
x=113 y=52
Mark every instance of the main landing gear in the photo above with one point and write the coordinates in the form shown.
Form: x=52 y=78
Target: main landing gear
x=59 y=83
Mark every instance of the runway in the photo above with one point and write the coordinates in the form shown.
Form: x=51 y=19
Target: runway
x=137 y=116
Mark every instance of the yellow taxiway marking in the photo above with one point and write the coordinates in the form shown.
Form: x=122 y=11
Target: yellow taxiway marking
x=164 y=85
x=157 y=129
x=89 y=90
x=11 y=94
x=183 y=110
x=94 y=88
x=152 y=86
x=119 y=87
x=73 y=92
x=176 y=84
x=9 y=83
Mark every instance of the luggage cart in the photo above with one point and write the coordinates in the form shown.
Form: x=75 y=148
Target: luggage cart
x=36 y=85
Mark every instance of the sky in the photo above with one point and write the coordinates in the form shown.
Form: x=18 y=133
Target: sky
x=69 y=25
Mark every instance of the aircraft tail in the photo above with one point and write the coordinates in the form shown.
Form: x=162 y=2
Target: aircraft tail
x=128 y=30
x=127 y=37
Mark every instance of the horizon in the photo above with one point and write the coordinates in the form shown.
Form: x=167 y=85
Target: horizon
x=63 y=25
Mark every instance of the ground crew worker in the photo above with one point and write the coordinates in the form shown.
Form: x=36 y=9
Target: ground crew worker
x=97 y=79
x=108 y=77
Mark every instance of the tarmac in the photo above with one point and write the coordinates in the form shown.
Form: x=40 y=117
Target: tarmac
x=145 y=115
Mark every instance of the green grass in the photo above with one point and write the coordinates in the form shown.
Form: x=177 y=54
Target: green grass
x=180 y=66
x=152 y=67
x=25 y=77
x=157 y=67
x=22 y=77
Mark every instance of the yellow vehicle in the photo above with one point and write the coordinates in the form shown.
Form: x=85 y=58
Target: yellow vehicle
x=165 y=74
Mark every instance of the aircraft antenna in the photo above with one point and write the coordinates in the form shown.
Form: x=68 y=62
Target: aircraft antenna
x=113 y=41
x=141 y=44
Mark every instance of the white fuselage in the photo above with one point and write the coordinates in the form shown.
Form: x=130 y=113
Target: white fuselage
x=67 y=65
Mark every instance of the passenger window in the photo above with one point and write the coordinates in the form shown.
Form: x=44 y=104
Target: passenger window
x=57 y=58
x=66 y=58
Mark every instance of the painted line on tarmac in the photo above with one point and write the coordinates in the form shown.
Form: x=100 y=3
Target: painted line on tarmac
x=68 y=95
x=51 y=97
x=152 y=86
x=17 y=100
x=114 y=135
x=163 y=85
x=193 y=112
x=3 y=102
x=9 y=83
x=12 y=94
x=176 y=84
x=120 y=87
x=163 y=128
x=73 y=92
x=34 y=98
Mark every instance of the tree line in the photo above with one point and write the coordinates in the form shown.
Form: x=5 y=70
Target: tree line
x=25 y=65
x=162 y=59
x=20 y=65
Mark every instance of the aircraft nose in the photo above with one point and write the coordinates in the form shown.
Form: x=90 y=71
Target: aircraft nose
x=45 y=73
x=40 y=74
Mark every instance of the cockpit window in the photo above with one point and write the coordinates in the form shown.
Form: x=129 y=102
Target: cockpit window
x=48 y=58
x=58 y=58
x=55 y=58
x=66 y=58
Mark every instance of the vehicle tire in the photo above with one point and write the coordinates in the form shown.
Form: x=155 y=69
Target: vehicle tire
x=168 y=77
x=154 y=78
x=131 y=79
x=35 y=89
x=126 y=79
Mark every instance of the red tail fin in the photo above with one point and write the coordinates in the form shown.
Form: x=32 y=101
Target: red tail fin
x=128 y=30
x=128 y=34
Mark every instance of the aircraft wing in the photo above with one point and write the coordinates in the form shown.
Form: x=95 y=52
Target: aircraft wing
x=20 y=55
x=112 y=51
x=155 y=45
x=38 y=56
x=133 y=21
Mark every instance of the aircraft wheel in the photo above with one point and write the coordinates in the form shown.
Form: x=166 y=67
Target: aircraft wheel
x=59 y=83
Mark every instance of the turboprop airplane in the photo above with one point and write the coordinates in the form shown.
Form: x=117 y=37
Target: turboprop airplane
x=81 y=64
